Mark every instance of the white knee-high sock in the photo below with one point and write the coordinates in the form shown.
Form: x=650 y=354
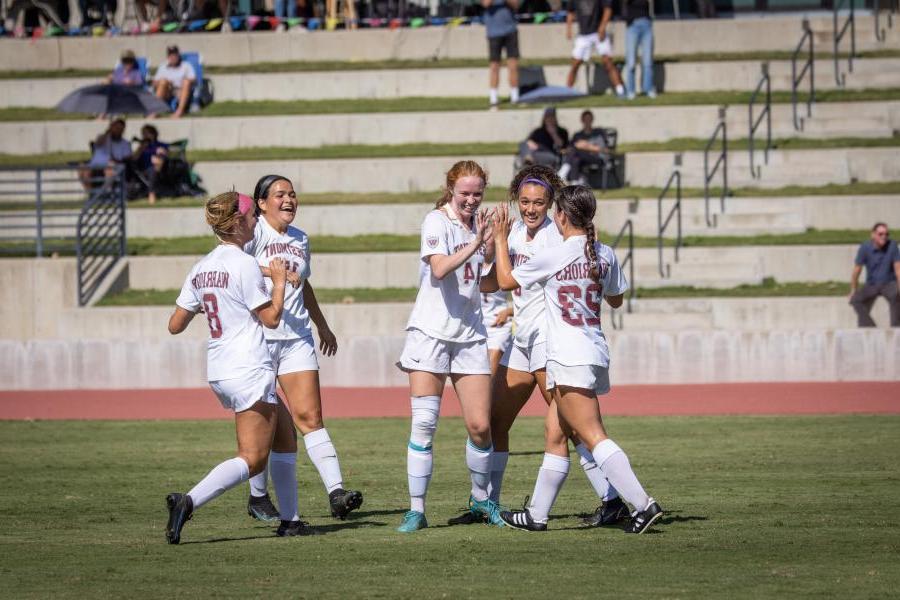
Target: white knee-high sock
x=550 y=479
x=498 y=468
x=259 y=484
x=479 y=462
x=419 y=456
x=323 y=455
x=225 y=476
x=598 y=481
x=615 y=466
x=284 y=477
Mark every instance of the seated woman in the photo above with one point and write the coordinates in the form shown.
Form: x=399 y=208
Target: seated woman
x=109 y=153
x=126 y=71
x=547 y=144
x=149 y=159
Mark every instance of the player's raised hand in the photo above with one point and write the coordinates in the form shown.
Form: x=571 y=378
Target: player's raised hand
x=482 y=225
x=502 y=223
x=278 y=271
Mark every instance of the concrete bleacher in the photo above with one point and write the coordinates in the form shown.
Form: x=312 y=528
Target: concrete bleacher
x=663 y=341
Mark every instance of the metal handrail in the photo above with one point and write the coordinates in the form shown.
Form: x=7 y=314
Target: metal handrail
x=765 y=80
x=721 y=161
x=627 y=228
x=100 y=241
x=675 y=211
x=881 y=34
x=840 y=78
x=808 y=67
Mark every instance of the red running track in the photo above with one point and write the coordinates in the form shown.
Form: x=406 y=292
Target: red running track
x=711 y=399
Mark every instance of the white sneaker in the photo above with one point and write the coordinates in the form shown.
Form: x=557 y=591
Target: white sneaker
x=651 y=94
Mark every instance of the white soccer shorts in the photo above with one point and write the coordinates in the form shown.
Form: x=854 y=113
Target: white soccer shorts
x=527 y=360
x=500 y=338
x=291 y=356
x=241 y=393
x=588 y=377
x=585 y=45
x=422 y=352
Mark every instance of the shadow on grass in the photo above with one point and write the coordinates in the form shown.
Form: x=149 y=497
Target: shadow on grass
x=360 y=514
x=319 y=529
x=527 y=453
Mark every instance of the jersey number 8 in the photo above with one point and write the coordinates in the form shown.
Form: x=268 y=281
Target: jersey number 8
x=211 y=308
x=569 y=294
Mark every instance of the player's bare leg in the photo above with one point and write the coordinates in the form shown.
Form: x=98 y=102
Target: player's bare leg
x=304 y=401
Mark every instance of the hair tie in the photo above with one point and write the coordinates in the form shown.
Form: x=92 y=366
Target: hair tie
x=543 y=184
x=245 y=203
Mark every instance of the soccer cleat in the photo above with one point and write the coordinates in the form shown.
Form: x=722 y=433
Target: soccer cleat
x=608 y=513
x=181 y=509
x=343 y=502
x=521 y=519
x=412 y=521
x=262 y=509
x=487 y=510
x=642 y=520
x=292 y=528
x=467 y=518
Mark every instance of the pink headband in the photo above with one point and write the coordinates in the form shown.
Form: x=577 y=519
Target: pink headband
x=245 y=203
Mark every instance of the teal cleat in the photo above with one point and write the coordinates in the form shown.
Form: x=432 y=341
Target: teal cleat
x=412 y=521
x=488 y=509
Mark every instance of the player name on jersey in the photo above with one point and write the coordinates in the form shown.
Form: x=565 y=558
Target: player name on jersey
x=210 y=279
x=580 y=270
x=284 y=248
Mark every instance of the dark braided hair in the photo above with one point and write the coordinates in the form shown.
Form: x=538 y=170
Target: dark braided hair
x=541 y=173
x=580 y=206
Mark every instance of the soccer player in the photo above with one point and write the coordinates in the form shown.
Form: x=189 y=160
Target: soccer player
x=523 y=367
x=575 y=276
x=293 y=352
x=446 y=336
x=497 y=318
x=227 y=285
x=593 y=21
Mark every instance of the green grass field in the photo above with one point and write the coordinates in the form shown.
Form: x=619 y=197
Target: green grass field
x=757 y=507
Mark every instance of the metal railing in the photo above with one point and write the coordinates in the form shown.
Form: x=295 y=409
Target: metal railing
x=674 y=212
x=765 y=83
x=626 y=230
x=808 y=68
x=721 y=163
x=39 y=208
x=881 y=33
x=838 y=35
x=100 y=236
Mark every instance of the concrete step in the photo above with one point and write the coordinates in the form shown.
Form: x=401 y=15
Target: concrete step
x=634 y=124
x=702 y=267
x=754 y=34
x=699 y=76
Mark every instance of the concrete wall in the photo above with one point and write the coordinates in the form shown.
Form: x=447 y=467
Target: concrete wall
x=638 y=357
x=634 y=124
x=536 y=41
x=739 y=76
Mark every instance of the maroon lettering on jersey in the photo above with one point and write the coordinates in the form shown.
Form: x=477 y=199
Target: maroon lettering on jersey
x=519 y=259
x=276 y=248
x=210 y=279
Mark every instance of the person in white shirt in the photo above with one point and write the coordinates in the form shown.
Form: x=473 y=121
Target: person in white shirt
x=175 y=79
x=575 y=276
x=523 y=367
x=446 y=336
x=293 y=352
x=228 y=287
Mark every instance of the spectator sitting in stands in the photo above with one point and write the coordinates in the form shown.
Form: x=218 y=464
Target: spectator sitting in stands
x=127 y=71
x=589 y=146
x=149 y=159
x=175 y=79
x=881 y=258
x=109 y=153
x=546 y=144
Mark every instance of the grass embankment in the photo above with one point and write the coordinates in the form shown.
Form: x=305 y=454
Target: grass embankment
x=424 y=104
x=752 y=511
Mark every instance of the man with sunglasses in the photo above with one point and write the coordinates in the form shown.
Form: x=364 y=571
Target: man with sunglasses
x=881 y=258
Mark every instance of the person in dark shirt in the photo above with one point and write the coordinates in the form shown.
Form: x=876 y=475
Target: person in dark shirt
x=589 y=146
x=548 y=143
x=593 y=20
x=149 y=159
x=638 y=32
x=881 y=258
x=500 y=26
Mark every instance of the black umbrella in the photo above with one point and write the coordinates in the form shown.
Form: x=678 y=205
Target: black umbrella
x=112 y=99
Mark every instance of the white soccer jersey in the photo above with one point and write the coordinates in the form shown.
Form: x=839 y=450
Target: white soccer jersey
x=293 y=248
x=528 y=301
x=227 y=286
x=449 y=308
x=572 y=299
x=491 y=305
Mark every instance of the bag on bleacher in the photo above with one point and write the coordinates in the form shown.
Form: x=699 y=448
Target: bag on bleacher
x=531 y=78
x=207 y=93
